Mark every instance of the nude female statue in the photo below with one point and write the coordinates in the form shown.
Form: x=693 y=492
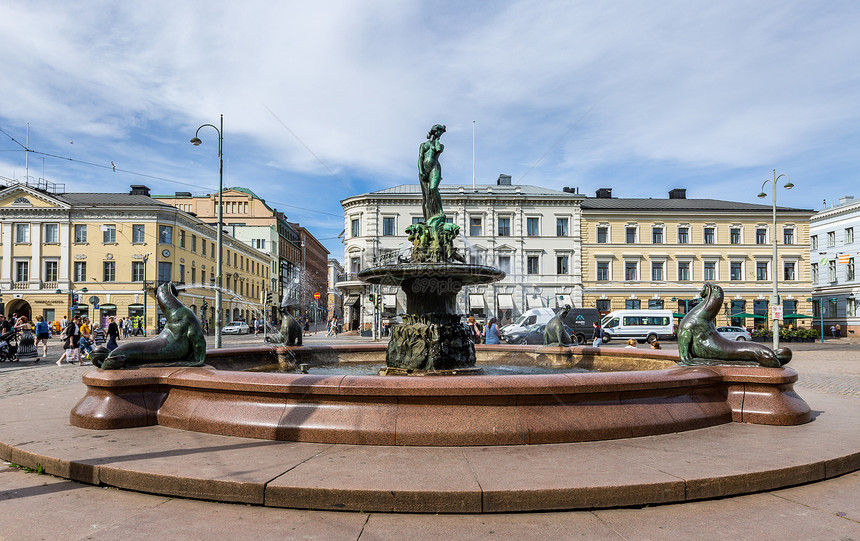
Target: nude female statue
x=430 y=172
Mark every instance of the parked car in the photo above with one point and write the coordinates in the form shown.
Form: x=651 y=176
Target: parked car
x=236 y=327
x=534 y=335
x=736 y=334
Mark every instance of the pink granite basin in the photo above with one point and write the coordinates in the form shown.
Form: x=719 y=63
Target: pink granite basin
x=619 y=402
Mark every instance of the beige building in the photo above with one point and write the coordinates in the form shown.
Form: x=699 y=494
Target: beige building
x=103 y=254
x=657 y=253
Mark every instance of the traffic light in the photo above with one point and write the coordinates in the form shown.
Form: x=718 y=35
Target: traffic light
x=268 y=297
x=371 y=298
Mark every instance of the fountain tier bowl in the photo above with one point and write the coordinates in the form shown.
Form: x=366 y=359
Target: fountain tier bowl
x=650 y=395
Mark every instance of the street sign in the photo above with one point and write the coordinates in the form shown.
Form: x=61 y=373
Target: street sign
x=94 y=299
x=317 y=295
x=777 y=311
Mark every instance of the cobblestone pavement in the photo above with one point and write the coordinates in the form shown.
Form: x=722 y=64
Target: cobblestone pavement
x=831 y=367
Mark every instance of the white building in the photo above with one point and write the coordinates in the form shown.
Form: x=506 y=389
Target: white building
x=834 y=250
x=529 y=232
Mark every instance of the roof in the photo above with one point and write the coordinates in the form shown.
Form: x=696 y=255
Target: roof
x=512 y=189
x=109 y=200
x=615 y=203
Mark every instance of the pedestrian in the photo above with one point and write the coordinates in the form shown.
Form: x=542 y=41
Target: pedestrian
x=838 y=331
x=597 y=335
x=655 y=345
x=113 y=334
x=307 y=327
x=86 y=342
x=833 y=331
x=475 y=330
x=126 y=328
x=492 y=332
x=76 y=340
x=631 y=343
x=42 y=335
x=5 y=326
x=63 y=322
x=139 y=330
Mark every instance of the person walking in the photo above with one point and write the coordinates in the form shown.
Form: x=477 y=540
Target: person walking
x=597 y=335
x=475 y=329
x=42 y=335
x=492 y=332
x=113 y=334
x=76 y=340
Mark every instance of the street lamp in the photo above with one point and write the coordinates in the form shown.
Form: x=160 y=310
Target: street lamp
x=145 y=259
x=219 y=265
x=774 y=300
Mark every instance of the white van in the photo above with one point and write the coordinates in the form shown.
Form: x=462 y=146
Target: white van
x=648 y=325
x=535 y=316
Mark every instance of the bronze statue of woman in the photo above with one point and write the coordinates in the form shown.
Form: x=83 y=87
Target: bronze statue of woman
x=430 y=172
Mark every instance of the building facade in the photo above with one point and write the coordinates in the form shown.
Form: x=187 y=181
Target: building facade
x=529 y=232
x=104 y=254
x=657 y=253
x=312 y=283
x=834 y=251
x=335 y=296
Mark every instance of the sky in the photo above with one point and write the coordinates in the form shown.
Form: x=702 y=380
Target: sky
x=326 y=100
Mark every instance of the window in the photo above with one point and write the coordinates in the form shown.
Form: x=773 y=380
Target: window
x=831 y=270
x=165 y=234
x=831 y=239
x=657 y=235
x=109 y=234
x=788 y=271
x=182 y=238
x=630 y=235
x=788 y=235
x=532 y=227
x=22 y=271
x=761 y=235
x=813 y=240
x=657 y=271
x=259 y=244
x=760 y=307
x=354 y=265
x=761 y=270
x=603 y=305
x=533 y=264
x=80 y=271
x=849 y=235
x=52 y=234
x=602 y=271
x=850 y=269
x=736 y=271
x=683 y=235
x=109 y=271
x=22 y=233
x=504 y=227
x=137 y=271
x=388 y=226
x=138 y=235
x=631 y=304
x=475 y=227
x=709 y=235
x=80 y=233
x=683 y=271
x=789 y=307
x=194 y=243
x=831 y=308
x=181 y=277
x=814 y=268
x=735 y=235
x=51 y=271
x=193 y=275
x=602 y=235
x=203 y=248
x=165 y=271
x=505 y=264
x=355 y=227
x=561 y=227
x=710 y=270
x=630 y=270
x=561 y=264
x=655 y=304
x=212 y=252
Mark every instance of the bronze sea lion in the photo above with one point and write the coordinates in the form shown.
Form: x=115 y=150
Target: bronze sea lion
x=700 y=343
x=555 y=334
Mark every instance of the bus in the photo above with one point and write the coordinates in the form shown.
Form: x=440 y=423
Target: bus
x=641 y=325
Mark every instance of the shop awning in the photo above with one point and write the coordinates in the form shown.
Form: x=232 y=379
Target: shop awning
x=796 y=316
x=476 y=301
x=534 y=302
x=352 y=299
x=135 y=305
x=506 y=302
x=747 y=314
x=107 y=306
x=564 y=300
x=389 y=301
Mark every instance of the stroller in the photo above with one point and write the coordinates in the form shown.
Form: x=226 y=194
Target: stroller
x=9 y=346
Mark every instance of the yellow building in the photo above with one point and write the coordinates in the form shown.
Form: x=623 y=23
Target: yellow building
x=103 y=254
x=657 y=253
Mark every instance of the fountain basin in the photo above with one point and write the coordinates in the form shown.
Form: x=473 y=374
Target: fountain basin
x=435 y=411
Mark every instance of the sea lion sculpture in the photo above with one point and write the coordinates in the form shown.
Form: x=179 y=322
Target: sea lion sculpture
x=555 y=334
x=290 y=333
x=180 y=343
x=699 y=343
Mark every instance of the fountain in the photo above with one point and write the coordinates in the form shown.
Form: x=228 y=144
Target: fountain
x=628 y=393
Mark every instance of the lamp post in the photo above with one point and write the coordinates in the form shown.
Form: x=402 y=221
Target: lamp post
x=774 y=299
x=145 y=259
x=219 y=265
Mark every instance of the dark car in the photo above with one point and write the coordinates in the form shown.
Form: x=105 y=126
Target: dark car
x=534 y=335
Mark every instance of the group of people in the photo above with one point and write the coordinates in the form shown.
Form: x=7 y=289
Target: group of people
x=79 y=338
x=488 y=335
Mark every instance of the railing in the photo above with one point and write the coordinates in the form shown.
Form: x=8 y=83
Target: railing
x=50 y=285
x=20 y=285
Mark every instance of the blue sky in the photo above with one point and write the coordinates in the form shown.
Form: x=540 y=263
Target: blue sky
x=324 y=100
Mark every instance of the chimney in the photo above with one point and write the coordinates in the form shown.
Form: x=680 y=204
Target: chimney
x=678 y=193
x=504 y=180
x=604 y=193
x=182 y=194
x=139 y=189
x=845 y=199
